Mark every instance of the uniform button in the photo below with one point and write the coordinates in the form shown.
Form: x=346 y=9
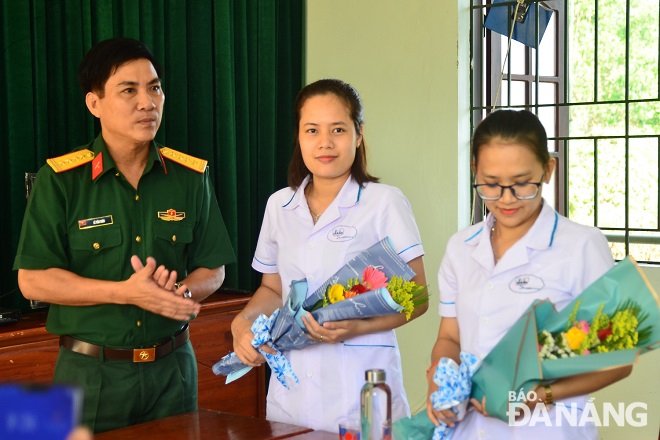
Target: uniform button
x=117 y=175
x=96 y=246
x=174 y=238
x=138 y=239
x=489 y=285
x=137 y=197
x=485 y=321
x=311 y=277
x=310 y=374
x=310 y=246
x=139 y=323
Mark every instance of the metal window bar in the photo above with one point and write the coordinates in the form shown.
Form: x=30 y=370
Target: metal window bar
x=596 y=182
x=596 y=15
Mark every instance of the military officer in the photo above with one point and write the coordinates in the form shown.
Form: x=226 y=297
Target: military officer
x=124 y=238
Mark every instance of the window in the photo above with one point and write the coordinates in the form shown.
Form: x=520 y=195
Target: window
x=593 y=82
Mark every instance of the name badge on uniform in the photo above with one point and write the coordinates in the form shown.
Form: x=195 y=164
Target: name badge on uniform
x=94 y=222
x=342 y=233
x=526 y=284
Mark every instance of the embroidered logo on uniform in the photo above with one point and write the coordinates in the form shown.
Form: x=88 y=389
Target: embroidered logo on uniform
x=94 y=222
x=342 y=233
x=526 y=284
x=171 y=215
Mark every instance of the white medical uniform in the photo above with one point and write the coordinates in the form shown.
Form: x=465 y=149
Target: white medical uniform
x=556 y=260
x=290 y=244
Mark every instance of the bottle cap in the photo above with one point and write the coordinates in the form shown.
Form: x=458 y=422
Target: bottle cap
x=375 y=376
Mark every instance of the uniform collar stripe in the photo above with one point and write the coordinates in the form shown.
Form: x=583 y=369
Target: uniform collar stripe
x=554 y=229
x=474 y=235
x=290 y=200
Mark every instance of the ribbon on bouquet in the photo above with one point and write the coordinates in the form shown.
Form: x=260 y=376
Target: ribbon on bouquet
x=454 y=387
x=279 y=364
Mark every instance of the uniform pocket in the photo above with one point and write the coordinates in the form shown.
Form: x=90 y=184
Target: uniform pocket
x=96 y=252
x=170 y=242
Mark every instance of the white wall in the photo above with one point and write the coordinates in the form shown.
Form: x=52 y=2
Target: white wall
x=409 y=61
x=402 y=58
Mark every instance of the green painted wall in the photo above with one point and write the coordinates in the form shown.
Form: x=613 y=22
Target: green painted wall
x=409 y=61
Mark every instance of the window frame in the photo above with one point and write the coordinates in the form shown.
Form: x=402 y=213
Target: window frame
x=486 y=50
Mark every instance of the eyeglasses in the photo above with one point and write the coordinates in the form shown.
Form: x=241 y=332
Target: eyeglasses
x=521 y=191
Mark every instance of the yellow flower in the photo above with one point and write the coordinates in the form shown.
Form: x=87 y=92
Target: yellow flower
x=574 y=337
x=336 y=293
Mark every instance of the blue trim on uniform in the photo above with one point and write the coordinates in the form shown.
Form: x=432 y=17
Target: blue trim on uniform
x=367 y=345
x=554 y=229
x=359 y=194
x=287 y=203
x=260 y=262
x=409 y=247
x=475 y=234
x=446 y=302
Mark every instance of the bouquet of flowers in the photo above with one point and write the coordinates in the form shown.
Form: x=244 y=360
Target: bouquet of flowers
x=374 y=283
x=608 y=325
x=407 y=295
x=603 y=334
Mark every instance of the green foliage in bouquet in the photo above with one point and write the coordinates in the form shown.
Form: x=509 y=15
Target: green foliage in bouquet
x=619 y=330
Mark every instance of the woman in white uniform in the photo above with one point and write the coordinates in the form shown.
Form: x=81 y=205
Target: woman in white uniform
x=493 y=271
x=332 y=210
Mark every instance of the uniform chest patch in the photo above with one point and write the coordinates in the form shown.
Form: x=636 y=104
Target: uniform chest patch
x=94 y=222
x=342 y=233
x=526 y=284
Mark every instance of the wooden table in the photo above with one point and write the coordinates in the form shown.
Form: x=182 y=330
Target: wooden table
x=206 y=424
x=316 y=435
x=28 y=354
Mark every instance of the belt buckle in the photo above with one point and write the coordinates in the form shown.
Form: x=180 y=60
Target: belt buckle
x=144 y=354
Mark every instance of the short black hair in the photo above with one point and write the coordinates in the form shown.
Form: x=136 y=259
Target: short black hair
x=106 y=57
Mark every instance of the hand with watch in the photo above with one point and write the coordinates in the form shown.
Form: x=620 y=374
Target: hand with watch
x=543 y=394
x=187 y=293
x=548 y=399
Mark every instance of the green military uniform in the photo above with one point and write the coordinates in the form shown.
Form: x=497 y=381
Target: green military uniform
x=89 y=220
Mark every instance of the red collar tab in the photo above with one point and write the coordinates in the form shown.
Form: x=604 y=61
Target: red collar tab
x=162 y=160
x=97 y=166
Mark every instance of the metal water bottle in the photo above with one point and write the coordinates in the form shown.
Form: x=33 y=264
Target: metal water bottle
x=375 y=407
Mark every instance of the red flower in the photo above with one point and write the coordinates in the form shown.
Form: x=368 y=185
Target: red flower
x=604 y=333
x=355 y=290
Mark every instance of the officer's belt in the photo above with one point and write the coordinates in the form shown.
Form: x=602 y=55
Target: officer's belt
x=148 y=354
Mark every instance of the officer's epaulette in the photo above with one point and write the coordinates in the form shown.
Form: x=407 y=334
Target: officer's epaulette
x=184 y=159
x=70 y=160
